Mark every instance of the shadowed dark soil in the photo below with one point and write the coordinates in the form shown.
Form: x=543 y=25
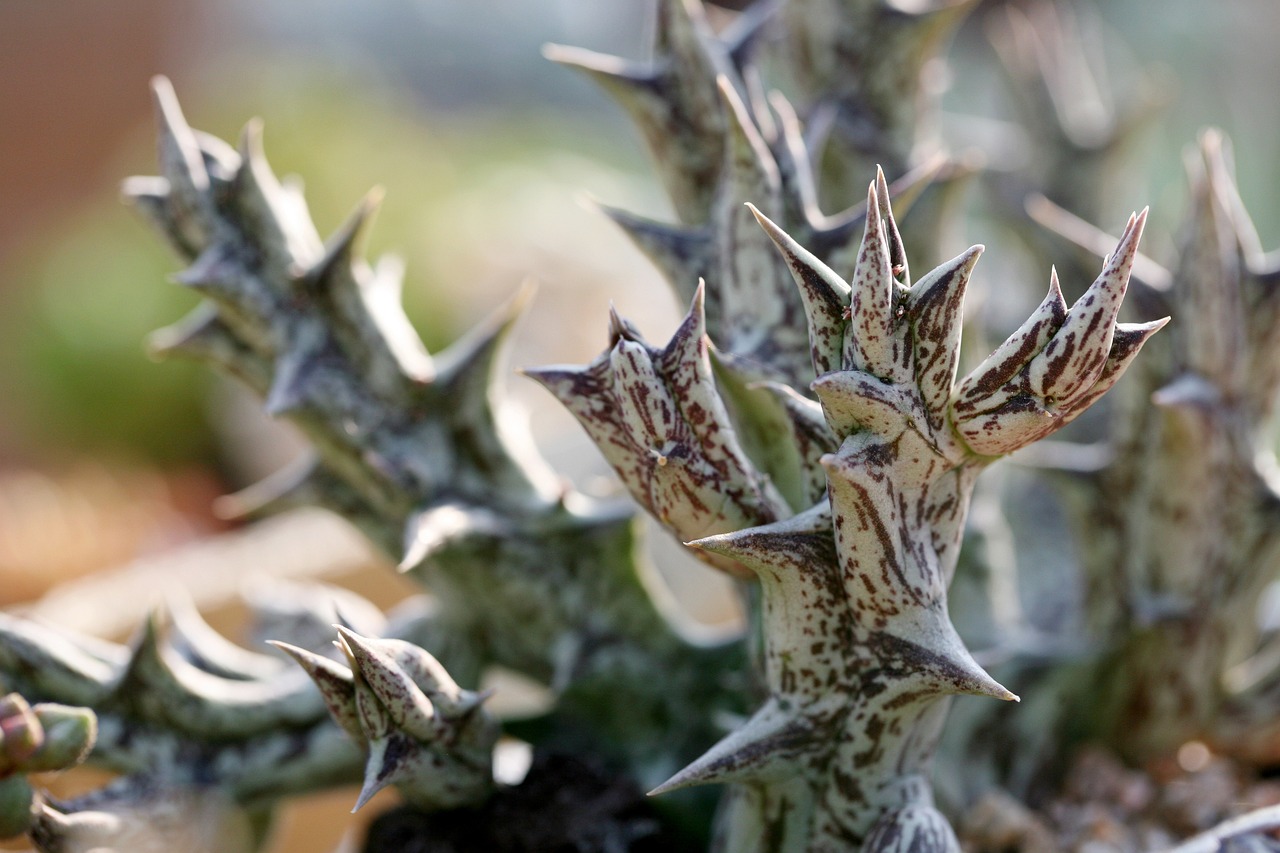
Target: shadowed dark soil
x=563 y=806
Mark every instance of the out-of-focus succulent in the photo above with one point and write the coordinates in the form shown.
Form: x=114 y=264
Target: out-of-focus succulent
x=425 y=734
x=36 y=739
x=1200 y=522
x=415 y=449
x=1075 y=123
x=200 y=727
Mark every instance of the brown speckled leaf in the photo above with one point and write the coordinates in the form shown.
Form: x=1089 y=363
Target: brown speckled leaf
x=1072 y=360
x=825 y=296
x=867 y=344
x=988 y=378
x=936 y=311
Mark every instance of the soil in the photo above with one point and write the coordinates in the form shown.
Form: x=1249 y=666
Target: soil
x=564 y=805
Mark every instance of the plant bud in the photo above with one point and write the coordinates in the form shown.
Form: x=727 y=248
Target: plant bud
x=20 y=733
x=69 y=735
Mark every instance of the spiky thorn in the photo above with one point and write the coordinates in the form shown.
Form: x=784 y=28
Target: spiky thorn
x=204 y=648
x=673 y=101
x=659 y=420
x=859 y=66
x=159 y=685
x=424 y=734
x=860 y=652
x=761 y=158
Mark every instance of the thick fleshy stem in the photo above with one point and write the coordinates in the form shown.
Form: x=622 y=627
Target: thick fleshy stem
x=1198 y=522
x=860 y=653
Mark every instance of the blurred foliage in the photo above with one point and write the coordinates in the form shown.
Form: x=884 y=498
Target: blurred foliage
x=85 y=298
x=70 y=347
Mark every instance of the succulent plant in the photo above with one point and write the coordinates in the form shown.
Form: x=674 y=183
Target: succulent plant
x=424 y=734
x=1200 y=457
x=805 y=430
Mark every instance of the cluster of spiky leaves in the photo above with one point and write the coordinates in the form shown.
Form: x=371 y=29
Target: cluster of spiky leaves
x=182 y=713
x=410 y=447
x=658 y=419
x=323 y=338
x=847 y=510
x=720 y=143
x=424 y=734
x=526 y=573
x=859 y=646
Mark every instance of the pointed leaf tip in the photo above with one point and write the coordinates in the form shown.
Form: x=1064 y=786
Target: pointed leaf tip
x=250 y=144
x=373 y=779
x=765 y=222
x=620 y=329
x=345 y=245
x=766 y=746
x=350 y=638
x=166 y=100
